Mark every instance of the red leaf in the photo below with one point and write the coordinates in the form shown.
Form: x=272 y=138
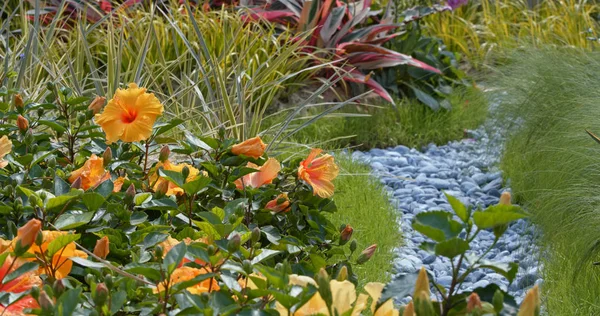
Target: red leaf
x=354 y=75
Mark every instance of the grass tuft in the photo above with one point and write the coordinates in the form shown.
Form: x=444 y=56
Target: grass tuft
x=554 y=167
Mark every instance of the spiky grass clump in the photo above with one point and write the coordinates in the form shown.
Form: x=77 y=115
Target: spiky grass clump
x=554 y=167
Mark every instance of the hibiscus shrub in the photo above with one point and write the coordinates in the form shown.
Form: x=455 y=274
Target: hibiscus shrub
x=105 y=209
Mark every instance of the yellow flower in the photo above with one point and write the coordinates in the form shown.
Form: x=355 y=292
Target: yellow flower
x=531 y=303
x=118 y=184
x=92 y=173
x=265 y=174
x=61 y=264
x=319 y=172
x=386 y=309
x=130 y=115
x=253 y=147
x=26 y=235
x=5 y=148
x=172 y=188
x=187 y=273
x=343 y=293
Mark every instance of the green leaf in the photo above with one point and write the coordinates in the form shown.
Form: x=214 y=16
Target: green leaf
x=92 y=201
x=60 y=186
x=87 y=263
x=60 y=242
x=70 y=221
x=165 y=127
x=498 y=215
x=172 y=176
x=209 y=229
x=452 y=247
x=163 y=204
x=198 y=184
x=77 y=100
x=437 y=225
x=150 y=271
x=459 y=208
x=265 y=254
x=137 y=218
x=53 y=125
x=141 y=198
x=39 y=156
x=24 y=268
x=426 y=99
x=56 y=204
x=272 y=234
x=508 y=270
x=105 y=188
x=67 y=302
x=185 y=284
x=154 y=238
x=117 y=299
x=174 y=257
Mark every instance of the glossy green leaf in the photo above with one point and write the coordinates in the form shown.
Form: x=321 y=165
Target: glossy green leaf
x=452 y=247
x=459 y=208
x=70 y=221
x=498 y=215
x=437 y=225
x=92 y=201
x=60 y=242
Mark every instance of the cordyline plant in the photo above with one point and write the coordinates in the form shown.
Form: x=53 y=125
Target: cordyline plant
x=347 y=34
x=105 y=212
x=451 y=235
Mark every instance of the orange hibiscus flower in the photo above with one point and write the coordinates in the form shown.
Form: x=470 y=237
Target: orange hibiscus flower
x=319 y=172
x=173 y=189
x=265 y=174
x=22 y=283
x=253 y=147
x=92 y=173
x=61 y=264
x=130 y=115
x=5 y=148
x=183 y=274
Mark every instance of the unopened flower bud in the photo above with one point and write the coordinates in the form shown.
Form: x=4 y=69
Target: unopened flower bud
x=19 y=104
x=51 y=162
x=255 y=234
x=234 y=243
x=45 y=301
x=366 y=254
x=35 y=292
x=474 y=303
x=22 y=123
x=247 y=266
x=39 y=239
x=346 y=234
x=29 y=137
x=343 y=274
x=81 y=118
x=158 y=251
x=185 y=172
x=162 y=188
x=353 y=246
x=505 y=198
x=26 y=235
x=211 y=250
x=422 y=286
x=58 y=287
x=107 y=156
x=108 y=280
x=34 y=201
x=97 y=104
x=409 y=310
x=101 y=294
x=130 y=193
x=76 y=184
x=531 y=304
x=102 y=247
x=164 y=153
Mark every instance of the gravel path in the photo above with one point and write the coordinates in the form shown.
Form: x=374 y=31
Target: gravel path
x=466 y=169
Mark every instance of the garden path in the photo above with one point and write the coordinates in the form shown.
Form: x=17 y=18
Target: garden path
x=466 y=169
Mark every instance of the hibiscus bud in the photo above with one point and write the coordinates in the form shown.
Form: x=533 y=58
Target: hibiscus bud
x=409 y=310
x=26 y=235
x=102 y=247
x=162 y=188
x=81 y=118
x=211 y=250
x=255 y=234
x=422 y=285
x=346 y=234
x=474 y=303
x=108 y=280
x=185 y=172
x=39 y=239
x=164 y=153
x=97 y=104
x=505 y=198
x=51 y=162
x=19 y=101
x=29 y=137
x=130 y=194
x=343 y=274
x=158 y=251
x=35 y=292
x=107 y=156
x=366 y=254
x=45 y=301
x=58 y=287
x=34 y=201
x=247 y=266
x=22 y=123
x=76 y=184
x=234 y=243
x=353 y=246
x=101 y=294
